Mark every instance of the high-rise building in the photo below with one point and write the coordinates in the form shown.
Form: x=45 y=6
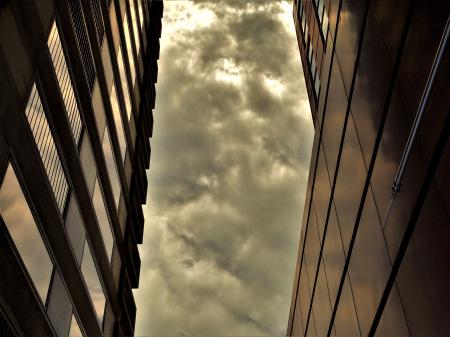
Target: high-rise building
x=375 y=238
x=77 y=89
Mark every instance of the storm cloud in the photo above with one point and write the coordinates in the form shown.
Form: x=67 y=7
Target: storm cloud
x=230 y=158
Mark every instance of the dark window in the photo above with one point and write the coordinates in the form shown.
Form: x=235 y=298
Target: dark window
x=64 y=82
x=83 y=41
x=47 y=149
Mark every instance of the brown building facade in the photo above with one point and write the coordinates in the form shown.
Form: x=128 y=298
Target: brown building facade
x=77 y=89
x=375 y=238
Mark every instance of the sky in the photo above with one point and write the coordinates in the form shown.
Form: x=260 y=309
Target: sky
x=230 y=158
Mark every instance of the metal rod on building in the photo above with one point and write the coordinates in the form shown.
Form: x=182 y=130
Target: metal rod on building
x=396 y=185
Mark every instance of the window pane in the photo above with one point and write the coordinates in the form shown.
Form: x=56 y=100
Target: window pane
x=126 y=31
x=118 y=121
x=123 y=80
x=317 y=85
x=320 y=9
x=64 y=82
x=23 y=230
x=325 y=24
x=141 y=13
x=59 y=309
x=46 y=145
x=88 y=163
x=75 y=328
x=102 y=218
x=111 y=166
x=135 y=27
x=93 y=283
x=75 y=228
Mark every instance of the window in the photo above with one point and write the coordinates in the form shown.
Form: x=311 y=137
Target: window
x=118 y=121
x=98 y=20
x=320 y=9
x=310 y=53
x=323 y=17
x=102 y=218
x=76 y=13
x=304 y=25
x=124 y=81
x=103 y=131
x=325 y=24
x=317 y=85
x=64 y=82
x=75 y=330
x=306 y=35
x=141 y=13
x=126 y=31
x=47 y=148
x=135 y=27
x=59 y=306
x=25 y=234
x=313 y=67
x=94 y=286
x=111 y=166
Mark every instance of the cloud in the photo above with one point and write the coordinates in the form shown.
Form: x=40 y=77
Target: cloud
x=230 y=157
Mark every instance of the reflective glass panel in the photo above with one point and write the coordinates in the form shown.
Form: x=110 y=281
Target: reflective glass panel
x=64 y=82
x=118 y=121
x=123 y=80
x=135 y=27
x=325 y=23
x=111 y=166
x=127 y=33
x=93 y=283
x=320 y=9
x=24 y=232
x=46 y=146
x=75 y=328
x=141 y=13
x=102 y=218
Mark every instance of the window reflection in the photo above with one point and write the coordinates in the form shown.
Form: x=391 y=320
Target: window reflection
x=100 y=117
x=75 y=328
x=135 y=27
x=102 y=218
x=111 y=166
x=118 y=121
x=124 y=81
x=64 y=82
x=47 y=149
x=141 y=13
x=93 y=283
x=127 y=33
x=24 y=232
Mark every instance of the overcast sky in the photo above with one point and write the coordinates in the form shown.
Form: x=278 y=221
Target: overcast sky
x=230 y=158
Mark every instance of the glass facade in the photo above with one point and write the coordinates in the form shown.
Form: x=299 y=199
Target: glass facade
x=370 y=259
x=70 y=197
